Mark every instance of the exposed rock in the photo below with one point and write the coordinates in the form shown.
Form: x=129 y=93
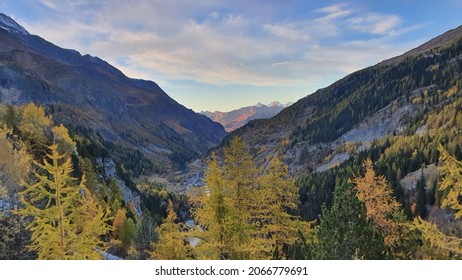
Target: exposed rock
x=130 y=198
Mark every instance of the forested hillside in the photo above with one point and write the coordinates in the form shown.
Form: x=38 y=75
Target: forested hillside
x=309 y=130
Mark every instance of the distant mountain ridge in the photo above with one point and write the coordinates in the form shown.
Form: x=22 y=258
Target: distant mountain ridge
x=236 y=118
x=89 y=95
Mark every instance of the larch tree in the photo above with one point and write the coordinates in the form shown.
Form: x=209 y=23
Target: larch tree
x=67 y=223
x=213 y=208
x=172 y=243
x=451 y=171
x=63 y=140
x=437 y=244
x=32 y=126
x=244 y=212
x=240 y=178
x=275 y=211
x=14 y=162
x=223 y=210
x=380 y=204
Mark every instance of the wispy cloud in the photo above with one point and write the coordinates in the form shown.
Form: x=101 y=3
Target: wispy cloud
x=203 y=42
x=334 y=12
x=376 y=23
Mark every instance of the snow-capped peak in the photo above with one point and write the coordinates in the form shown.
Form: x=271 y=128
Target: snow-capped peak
x=9 y=24
x=275 y=104
x=259 y=105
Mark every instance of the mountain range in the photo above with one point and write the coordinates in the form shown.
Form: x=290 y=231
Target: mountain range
x=134 y=117
x=236 y=118
x=372 y=103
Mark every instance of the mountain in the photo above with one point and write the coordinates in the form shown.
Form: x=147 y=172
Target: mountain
x=236 y=118
x=135 y=118
x=325 y=128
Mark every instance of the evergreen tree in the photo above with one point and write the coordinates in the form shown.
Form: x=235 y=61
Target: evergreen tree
x=11 y=118
x=145 y=235
x=67 y=223
x=421 y=205
x=127 y=231
x=344 y=231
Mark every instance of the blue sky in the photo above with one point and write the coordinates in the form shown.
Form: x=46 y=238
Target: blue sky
x=222 y=55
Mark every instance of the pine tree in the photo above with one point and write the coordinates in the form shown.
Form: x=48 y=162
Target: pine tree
x=421 y=205
x=11 y=118
x=145 y=235
x=344 y=231
x=67 y=223
x=171 y=244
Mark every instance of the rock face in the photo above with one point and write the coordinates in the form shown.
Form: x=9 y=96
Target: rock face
x=91 y=96
x=130 y=198
x=239 y=117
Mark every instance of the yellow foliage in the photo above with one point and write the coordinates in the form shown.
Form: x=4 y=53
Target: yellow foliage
x=14 y=161
x=442 y=246
x=67 y=223
x=171 y=244
x=33 y=124
x=63 y=140
x=380 y=203
x=451 y=171
x=243 y=211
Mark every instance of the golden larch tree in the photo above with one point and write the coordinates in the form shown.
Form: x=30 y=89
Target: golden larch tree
x=380 y=203
x=171 y=244
x=67 y=223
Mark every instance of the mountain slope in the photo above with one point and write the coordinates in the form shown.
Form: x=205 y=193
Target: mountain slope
x=89 y=95
x=236 y=118
x=376 y=101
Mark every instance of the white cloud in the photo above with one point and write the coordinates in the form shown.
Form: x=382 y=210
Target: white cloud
x=334 y=12
x=376 y=23
x=49 y=4
x=290 y=32
x=197 y=40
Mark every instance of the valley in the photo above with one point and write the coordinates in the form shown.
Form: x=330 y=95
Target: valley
x=94 y=164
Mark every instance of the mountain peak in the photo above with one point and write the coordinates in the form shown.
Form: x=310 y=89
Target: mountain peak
x=275 y=104
x=10 y=25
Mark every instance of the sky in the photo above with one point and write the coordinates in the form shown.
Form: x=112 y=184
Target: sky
x=223 y=55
